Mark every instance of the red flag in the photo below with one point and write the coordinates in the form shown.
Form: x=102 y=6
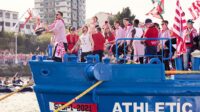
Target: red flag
x=178 y=28
x=195 y=10
x=158 y=9
x=27 y=19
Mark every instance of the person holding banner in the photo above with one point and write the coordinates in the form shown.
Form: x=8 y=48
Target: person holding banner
x=60 y=41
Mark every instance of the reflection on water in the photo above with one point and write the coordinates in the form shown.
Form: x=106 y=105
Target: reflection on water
x=20 y=102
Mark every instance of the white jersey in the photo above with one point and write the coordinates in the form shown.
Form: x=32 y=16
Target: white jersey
x=86 y=44
x=137 y=46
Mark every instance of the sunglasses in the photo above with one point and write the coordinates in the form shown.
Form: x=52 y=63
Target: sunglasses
x=57 y=14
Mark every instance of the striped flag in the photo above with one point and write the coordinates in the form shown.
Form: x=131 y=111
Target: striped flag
x=178 y=28
x=158 y=9
x=195 y=9
x=27 y=19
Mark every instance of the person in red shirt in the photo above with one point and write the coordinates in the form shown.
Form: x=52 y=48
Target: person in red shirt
x=72 y=39
x=99 y=42
x=109 y=36
x=150 y=45
x=110 y=39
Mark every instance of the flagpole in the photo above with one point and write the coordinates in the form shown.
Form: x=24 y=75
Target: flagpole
x=16 y=33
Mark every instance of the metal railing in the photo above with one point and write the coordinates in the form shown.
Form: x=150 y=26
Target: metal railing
x=142 y=39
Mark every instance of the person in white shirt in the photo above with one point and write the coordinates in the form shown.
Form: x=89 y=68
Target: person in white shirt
x=164 y=33
x=86 y=43
x=127 y=44
x=137 y=45
x=119 y=33
x=60 y=42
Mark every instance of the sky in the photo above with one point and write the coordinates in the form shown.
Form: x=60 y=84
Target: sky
x=138 y=7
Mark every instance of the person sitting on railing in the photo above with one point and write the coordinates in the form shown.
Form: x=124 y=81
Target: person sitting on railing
x=150 y=45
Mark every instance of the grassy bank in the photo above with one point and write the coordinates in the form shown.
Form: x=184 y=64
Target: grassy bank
x=10 y=70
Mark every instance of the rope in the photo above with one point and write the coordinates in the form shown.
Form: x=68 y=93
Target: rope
x=79 y=96
x=16 y=91
x=182 y=72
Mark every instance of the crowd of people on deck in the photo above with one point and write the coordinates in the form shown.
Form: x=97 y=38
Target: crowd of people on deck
x=103 y=40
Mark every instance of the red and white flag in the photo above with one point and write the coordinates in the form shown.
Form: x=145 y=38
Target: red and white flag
x=195 y=9
x=27 y=19
x=60 y=50
x=158 y=9
x=178 y=29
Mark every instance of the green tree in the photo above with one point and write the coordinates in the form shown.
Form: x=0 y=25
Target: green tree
x=126 y=13
x=25 y=43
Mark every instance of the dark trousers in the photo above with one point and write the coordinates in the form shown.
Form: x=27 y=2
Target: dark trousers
x=120 y=49
x=150 y=52
x=165 y=54
x=100 y=53
x=167 y=43
x=84 y=55
x=56 y=58
x=141 y=60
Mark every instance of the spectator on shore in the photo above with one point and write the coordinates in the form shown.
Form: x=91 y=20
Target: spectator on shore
x=19 y=81
x=30 y=80
x=14 y=81
x=6 y=81
x=1 y=82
